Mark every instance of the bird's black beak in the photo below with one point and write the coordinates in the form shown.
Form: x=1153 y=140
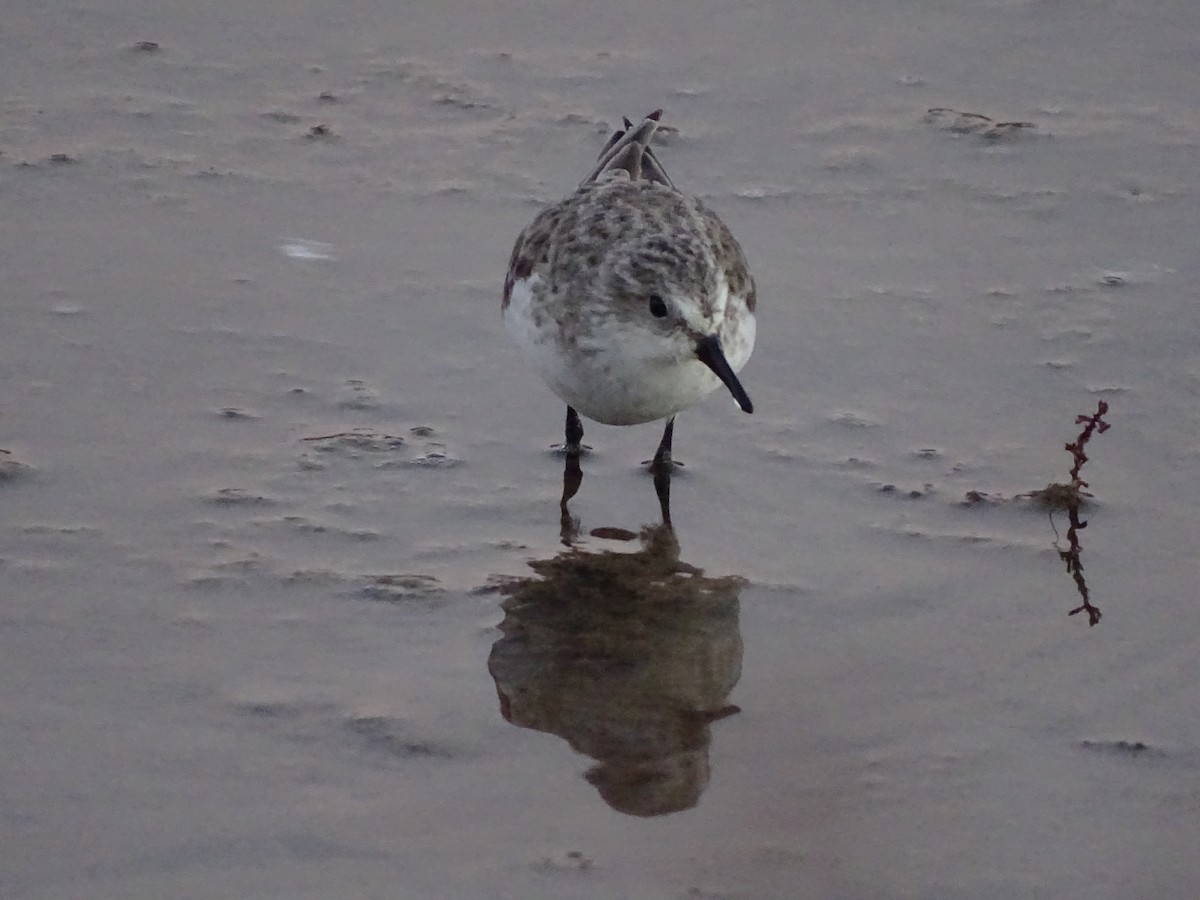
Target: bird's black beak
x=709 y=352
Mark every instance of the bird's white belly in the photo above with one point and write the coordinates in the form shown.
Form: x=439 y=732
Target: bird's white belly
x=613 y=375
x=619 y=391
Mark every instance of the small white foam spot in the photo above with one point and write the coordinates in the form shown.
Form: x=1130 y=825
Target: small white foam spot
x=299 y=248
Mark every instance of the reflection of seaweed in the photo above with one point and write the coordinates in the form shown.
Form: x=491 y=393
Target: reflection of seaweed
x=1070 y=497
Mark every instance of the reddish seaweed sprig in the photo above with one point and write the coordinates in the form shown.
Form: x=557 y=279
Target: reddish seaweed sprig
x=1070 y=496
x=1091 y=423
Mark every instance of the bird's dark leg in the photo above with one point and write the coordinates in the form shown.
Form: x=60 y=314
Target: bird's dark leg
x=574 y=434
x=662 y=461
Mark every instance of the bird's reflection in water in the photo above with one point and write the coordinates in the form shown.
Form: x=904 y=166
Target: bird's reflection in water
x=629 y=657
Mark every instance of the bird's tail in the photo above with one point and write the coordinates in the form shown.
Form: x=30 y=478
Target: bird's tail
x=628 y=150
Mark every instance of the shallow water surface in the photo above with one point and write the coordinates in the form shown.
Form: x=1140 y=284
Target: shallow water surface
x=289 y=605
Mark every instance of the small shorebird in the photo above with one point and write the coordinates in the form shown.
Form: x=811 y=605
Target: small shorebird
x=631 y=298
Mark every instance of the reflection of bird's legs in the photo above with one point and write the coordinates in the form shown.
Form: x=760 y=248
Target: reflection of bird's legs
x=572 y=474
x=662 y=487
x=572 y=478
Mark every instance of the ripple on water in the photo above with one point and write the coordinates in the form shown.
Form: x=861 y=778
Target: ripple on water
x=60 y=530
x=317 y=576
x=237 y=413
x=969 y=533
x=973 y=123
x=238 y=497
x=355 y=442
x=395 y=737
x=420 y=448
x=436 y=458
x=281 y=710
x=400 y=588
x=1123 y=748
x=305 y=525
x=909 y=493
x=234 y=569
x=357 y=395
x=309 y=720
x=851 y=418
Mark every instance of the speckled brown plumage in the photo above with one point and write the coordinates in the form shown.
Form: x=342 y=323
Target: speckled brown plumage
x=632 y=297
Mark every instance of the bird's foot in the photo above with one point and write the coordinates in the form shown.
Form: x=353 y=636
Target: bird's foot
x=574 y=451
x=662 y=465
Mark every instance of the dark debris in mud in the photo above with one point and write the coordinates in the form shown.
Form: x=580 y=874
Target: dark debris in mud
x=10 y=468
x=1132 y=749
x=958 y=122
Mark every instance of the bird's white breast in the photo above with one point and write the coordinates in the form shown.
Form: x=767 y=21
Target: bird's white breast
x=612 y=369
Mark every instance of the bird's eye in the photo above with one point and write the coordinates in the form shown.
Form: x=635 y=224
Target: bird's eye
x=658 y=306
